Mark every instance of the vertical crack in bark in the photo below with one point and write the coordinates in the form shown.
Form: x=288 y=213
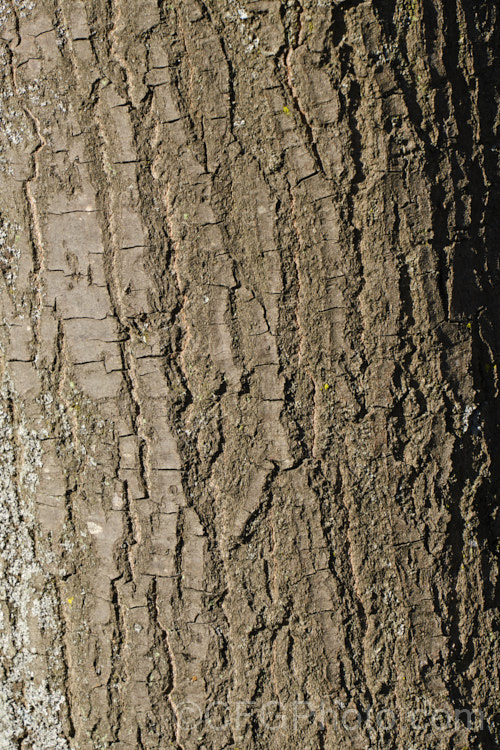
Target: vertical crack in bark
x=31 y=204
x=117 y=672
x=163 y=639
x=285 y=55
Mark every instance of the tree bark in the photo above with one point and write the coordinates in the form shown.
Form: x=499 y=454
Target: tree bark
x=249 y=346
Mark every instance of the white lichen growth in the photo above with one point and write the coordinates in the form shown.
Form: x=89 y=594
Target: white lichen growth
x=466 y=417
x=30 y=699
x=240 y=16
x=9 y=253
x=23 y=9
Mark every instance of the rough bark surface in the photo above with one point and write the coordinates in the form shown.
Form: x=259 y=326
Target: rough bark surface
x=249 y=418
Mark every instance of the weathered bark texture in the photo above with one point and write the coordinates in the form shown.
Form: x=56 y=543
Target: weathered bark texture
x=249 y=419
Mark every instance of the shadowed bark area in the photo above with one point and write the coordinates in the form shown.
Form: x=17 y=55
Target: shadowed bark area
x=249 y=418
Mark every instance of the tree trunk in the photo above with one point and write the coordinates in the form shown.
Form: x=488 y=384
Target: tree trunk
x=250 y=414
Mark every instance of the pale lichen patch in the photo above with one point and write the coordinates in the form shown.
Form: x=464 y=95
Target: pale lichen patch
x=29 y=704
